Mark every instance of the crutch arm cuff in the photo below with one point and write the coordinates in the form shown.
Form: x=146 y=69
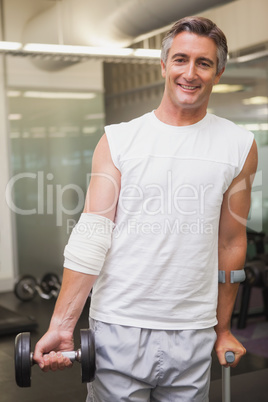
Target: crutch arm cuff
x=237 y=276
x=221 y=276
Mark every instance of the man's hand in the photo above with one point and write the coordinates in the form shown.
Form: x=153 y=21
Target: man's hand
x=227 y=342
x=48 y=350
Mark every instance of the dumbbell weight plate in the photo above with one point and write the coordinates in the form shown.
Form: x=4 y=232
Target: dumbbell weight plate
x=23 y=359
x=88 y=366
x=50 y=282
x=25 y=288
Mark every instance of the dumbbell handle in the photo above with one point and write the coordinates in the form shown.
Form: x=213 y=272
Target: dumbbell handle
x=73 y=355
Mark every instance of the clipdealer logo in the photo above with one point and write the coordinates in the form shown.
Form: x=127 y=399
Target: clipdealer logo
x=152 y=200
x=255 y=218
x=49 y=198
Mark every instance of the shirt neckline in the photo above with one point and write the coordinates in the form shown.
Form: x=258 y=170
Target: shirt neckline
x=160 y=124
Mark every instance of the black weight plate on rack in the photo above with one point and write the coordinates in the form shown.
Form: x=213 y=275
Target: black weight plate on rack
x=50 y=281
x=88 y=365
x=23 y=359
x=21 y=291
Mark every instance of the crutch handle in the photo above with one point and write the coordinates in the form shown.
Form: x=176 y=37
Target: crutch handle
x=226 y=377
x=229 y=357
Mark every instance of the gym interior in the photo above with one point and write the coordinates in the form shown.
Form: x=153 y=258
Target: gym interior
x=67 y=69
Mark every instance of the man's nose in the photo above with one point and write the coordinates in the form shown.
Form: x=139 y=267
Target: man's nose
x=190 y=72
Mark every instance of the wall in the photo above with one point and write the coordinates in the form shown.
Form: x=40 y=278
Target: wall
x=56 y=119
x=131 y=90
x=7 y=255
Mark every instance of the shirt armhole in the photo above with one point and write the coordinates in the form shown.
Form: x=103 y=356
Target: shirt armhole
x=245 y=153
x=112 y=147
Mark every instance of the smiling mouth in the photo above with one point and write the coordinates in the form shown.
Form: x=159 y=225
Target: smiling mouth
x=188 y=87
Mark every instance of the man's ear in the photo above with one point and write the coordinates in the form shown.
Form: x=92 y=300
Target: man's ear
x=163 y=69
x=218 y=76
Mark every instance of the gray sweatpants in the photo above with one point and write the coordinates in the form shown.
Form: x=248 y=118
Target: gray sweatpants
x=141 y=365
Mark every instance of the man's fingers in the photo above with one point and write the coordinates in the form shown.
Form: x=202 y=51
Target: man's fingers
x=46 y=363
x=55 y=361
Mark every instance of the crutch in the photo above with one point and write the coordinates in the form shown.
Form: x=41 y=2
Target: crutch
x=235 y=277
x=226 y=378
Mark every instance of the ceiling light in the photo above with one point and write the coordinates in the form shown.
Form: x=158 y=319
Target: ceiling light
x=210 y=110
x=10 y=45
x=109 y=51
x=249 y=57
x=13 y=94
x=14 y=116
x=59 y=95
x=97 y=51
x=263 y=111
x=94 y=116
x=151 y=53
x=15 y=134
x=89 y=130
x=255 y=126
x=78 y=50
x=256 y=100
x=90 y=50
x=227 y=88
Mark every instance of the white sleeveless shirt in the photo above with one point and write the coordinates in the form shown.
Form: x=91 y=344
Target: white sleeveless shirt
x=162 y=269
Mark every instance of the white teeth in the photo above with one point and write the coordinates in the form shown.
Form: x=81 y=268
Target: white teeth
x=187 y=87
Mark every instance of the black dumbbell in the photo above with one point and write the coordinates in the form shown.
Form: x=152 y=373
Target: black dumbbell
x=24 y=357
x=25 y=288
x=50 y=283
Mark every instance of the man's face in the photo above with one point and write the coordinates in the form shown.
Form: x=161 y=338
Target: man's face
x=190 y=71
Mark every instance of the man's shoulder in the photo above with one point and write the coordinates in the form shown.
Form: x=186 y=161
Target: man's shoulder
x=137 y=121
x=222 y=121
x=227 y=126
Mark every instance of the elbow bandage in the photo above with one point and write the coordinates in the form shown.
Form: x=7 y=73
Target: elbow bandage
x=88 y=244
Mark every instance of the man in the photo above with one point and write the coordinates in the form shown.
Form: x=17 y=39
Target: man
x=165 y=210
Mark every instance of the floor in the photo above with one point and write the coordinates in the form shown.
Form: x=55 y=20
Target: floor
x=249 y=380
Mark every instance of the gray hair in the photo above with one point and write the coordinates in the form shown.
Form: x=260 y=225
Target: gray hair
x=199 y=26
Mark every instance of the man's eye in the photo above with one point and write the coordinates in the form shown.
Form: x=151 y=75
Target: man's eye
x=204 y=64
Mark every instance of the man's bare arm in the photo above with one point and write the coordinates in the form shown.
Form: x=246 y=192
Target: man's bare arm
x=104 y=187
x=101 y=199
x=232 y=252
